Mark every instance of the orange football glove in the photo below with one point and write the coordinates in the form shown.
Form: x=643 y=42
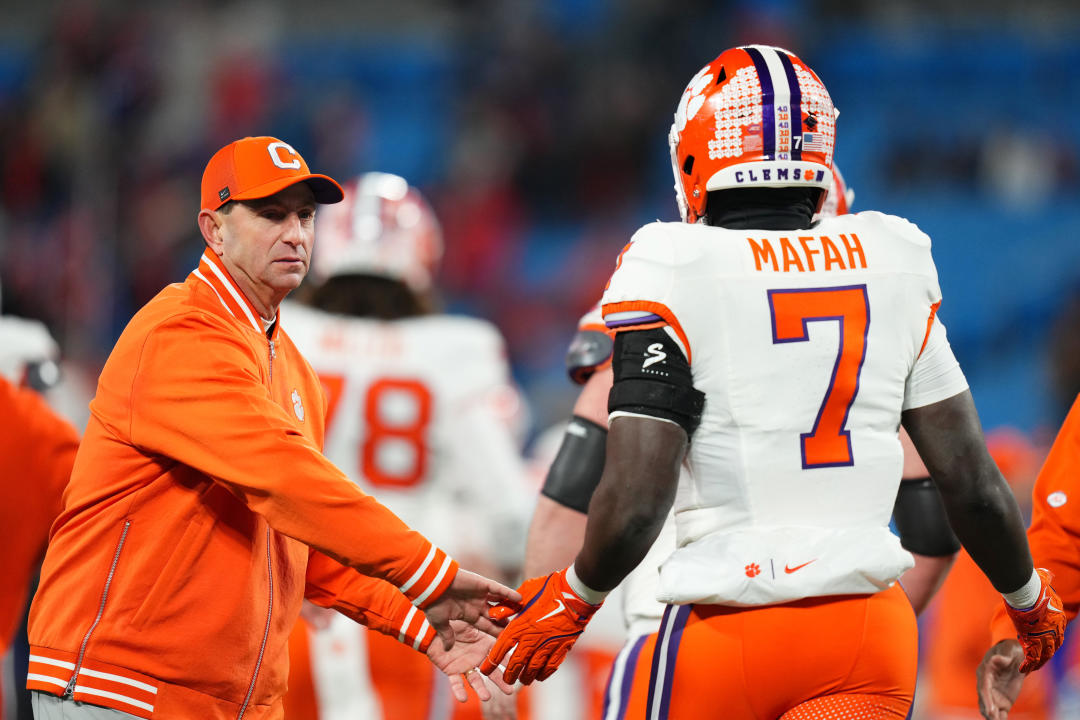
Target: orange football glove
x=548 y=623
x=1040 y=628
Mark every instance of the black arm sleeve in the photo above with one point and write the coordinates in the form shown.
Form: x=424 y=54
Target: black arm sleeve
x=576 y=470
x=652 y=377
x=920 y=519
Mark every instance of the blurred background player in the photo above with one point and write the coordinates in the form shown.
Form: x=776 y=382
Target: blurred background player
x=786 y=477
x=558 y=525
x=422 y=414
x=1055 y=540
x=37 y=450
x=958 y=620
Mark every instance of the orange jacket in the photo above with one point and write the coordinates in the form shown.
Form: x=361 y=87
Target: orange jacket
x=1054 y=535
x=37 y=448
x=196 y=520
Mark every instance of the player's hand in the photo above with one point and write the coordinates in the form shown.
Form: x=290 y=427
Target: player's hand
x=998 y=679
x=468 y=598
x=549 y=620
x=1040 y=628
x=459 y=662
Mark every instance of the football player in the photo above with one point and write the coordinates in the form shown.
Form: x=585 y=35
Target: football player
x=1055 y=536
x=959 y=620
x=37 y=450
x=558 y=525
x=422 y=414
x=790 y=352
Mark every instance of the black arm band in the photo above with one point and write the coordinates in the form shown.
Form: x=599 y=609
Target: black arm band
x=920 y=519
x=652 y=377
x=681 y=405
x=576 y=470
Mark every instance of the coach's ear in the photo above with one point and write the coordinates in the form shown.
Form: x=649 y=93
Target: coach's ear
x=211 y=224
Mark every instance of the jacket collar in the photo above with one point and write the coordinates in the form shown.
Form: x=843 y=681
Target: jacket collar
x=213 y=272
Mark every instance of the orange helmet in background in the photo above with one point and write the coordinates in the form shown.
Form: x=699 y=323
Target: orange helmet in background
x=384 y=227
x=1018 y=458
x=756 y=116
x=839 y=198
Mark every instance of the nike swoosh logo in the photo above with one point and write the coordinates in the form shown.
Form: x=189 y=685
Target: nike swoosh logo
x=1051 y=607
x=556 y=611
x=790 y=570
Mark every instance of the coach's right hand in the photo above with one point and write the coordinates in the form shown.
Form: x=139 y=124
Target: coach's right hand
x=468 y=599
x=998 y=679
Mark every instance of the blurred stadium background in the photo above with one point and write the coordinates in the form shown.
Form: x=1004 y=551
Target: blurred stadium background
x=538 y=130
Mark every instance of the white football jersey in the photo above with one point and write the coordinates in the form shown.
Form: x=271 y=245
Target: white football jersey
x=808 y=344
x=339 y=671
x=593 y=319
x=421 y=414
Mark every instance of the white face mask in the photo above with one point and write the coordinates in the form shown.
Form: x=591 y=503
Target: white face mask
x=680 y=193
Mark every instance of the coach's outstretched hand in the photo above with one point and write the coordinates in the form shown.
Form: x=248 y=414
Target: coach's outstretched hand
x=460 y=663
x=998 y=679
x=468 y=599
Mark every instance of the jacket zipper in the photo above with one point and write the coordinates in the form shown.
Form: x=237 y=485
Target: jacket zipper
x=269 y=615
x=70 y=689
x=273 y=354
x=269 y=572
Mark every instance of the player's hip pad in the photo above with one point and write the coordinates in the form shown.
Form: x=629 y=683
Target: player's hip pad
x=769 y=565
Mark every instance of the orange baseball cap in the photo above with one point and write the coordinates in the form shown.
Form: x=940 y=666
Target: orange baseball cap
x=257 y=167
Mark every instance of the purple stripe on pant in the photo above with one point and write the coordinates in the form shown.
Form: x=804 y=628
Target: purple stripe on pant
x=629 y=662
x=675 y=616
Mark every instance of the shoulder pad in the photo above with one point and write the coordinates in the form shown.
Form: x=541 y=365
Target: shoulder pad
x=655 y=242
x=899 y=226
x=589 y=351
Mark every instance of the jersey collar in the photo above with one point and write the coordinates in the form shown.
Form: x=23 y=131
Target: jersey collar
x=213 y=272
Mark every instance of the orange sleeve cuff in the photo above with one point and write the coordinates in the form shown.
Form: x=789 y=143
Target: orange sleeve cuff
x=428 y=577
x=1001 y=627
x=368 y=600
x=404 y=622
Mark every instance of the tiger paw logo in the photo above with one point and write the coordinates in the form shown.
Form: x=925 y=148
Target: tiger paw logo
x=753 y=570
x=297 y=405
x=693 y=98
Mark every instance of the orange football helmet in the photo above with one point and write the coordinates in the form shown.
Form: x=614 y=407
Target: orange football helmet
x=384 y=227
x=839 y=198
x=756 y=116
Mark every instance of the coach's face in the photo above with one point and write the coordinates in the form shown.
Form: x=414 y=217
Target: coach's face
x=265 y=243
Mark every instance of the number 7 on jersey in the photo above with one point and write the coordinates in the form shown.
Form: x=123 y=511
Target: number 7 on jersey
x=828 y=444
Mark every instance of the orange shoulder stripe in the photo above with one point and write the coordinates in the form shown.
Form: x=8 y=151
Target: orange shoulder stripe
x=929 y=324
x=656 y=308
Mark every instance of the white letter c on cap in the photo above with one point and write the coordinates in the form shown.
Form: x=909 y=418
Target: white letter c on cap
x=274 y=149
